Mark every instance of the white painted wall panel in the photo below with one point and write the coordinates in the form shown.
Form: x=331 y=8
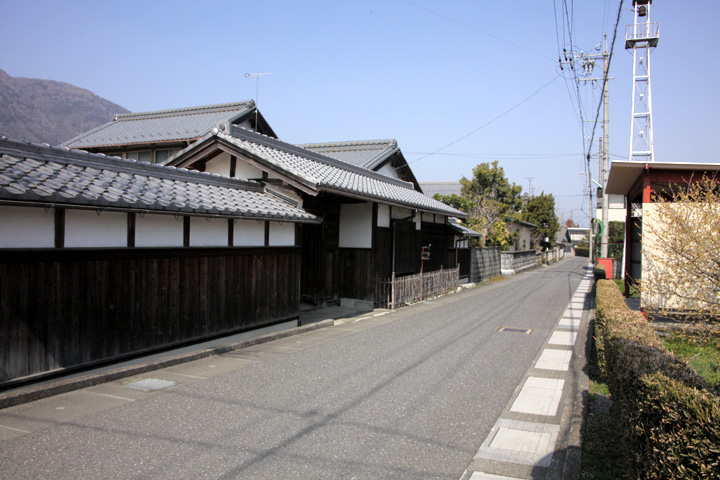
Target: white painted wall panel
x=249 y=233
x=158 y=231
x=27 y=227
x=356 y=225
x=401 y=212
x=383 y=216
x=245 y=170
x=212 y=233
x=219 y=165
x=282 y=234
x=85 y=228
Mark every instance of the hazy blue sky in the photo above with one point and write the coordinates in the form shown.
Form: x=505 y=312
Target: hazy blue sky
x=427 y=73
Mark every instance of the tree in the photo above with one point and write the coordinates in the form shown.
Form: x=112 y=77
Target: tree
x=681 y=252
x=540 y=210
x=616 y=239
x=487 y=197
x=569 y=223
x=500 y=236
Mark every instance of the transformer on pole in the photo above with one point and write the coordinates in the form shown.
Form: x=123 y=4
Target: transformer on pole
x=641 y=38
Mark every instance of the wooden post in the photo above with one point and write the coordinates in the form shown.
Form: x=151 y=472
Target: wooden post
x=392 y=292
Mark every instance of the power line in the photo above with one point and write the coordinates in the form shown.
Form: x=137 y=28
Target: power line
x=605 y=76
x=482 y=126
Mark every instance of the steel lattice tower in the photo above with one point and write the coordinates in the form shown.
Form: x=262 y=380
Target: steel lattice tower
x=641 y=38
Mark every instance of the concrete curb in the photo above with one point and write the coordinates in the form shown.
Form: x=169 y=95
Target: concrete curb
x=30 y=394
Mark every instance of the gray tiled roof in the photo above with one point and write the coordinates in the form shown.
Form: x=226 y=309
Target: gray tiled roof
x=43 y=175
x=443 y=188
x=461 y=229
x=161 y=126
x=367 y=154
x=319 y=172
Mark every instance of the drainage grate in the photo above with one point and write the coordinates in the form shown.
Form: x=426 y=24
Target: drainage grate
x=149 y=384
x=524 y=331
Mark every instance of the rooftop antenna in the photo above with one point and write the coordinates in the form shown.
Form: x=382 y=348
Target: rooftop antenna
x=530 y=190
x=257 y=77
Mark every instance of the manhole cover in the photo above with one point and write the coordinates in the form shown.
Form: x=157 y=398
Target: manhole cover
x=149 y=384
x=524 y=331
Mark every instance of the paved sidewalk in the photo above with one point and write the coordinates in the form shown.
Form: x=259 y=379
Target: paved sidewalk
x=538 y=434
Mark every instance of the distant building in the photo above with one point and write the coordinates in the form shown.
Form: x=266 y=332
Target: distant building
x=443 y=188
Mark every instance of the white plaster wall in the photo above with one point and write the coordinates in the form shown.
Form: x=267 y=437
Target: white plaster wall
x=282 y=234
x=428 y=217
x=285 y=192
x=249 y=233
x=439 y=218
x=85 y=228
x=245 y=170
x=404 y=213
x=400 y=212
x=204 y=233
x=389 y=171
x=356 y=225
x=158 y=231
x=383 y=219
x=219 y=165
x=27 y=227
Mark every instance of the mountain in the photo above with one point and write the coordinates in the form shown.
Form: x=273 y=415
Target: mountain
x=46 y=111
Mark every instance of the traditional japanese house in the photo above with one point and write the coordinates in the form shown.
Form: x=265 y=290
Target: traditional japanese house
x=103 y=258
x=373 y=222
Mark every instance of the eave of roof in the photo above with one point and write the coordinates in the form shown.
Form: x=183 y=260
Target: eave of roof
x=313 y=172
x=463 y=230
x=182 y=124
x=41 y=175
x=364 y=153
x=624 y=173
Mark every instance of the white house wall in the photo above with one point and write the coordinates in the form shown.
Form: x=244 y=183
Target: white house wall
x=356 y=225
x=383 y=216
x=282 y=234
x=245 y=170
x=85 y=228
x=27 y=227
x=248 y=233
x=208 y=232
x=158 y=231
x=219 y=165
x=34 y=227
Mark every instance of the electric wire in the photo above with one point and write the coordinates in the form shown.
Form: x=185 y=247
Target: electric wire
x=481 y=126
x=605 y=75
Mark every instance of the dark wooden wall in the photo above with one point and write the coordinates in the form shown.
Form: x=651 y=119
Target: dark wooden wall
x=436 y=235
x=68 y=308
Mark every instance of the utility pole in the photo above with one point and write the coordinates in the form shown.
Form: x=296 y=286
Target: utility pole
x=589 y=65
x=605 y=237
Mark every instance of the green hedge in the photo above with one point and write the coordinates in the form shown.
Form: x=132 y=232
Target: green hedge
x=582 y=252
x=599 y=273
x=667 y=415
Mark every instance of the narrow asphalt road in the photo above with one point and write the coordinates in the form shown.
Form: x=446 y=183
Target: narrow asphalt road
x=410 y=394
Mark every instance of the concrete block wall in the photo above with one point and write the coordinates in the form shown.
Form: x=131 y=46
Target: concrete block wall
x=484 y=264
x=515 y=262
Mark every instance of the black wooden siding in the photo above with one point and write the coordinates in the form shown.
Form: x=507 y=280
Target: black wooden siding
x=69 y=308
